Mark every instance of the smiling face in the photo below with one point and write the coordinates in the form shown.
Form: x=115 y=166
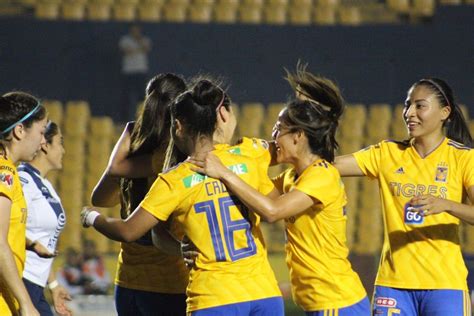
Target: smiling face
x=286 y=148
x=424 y=116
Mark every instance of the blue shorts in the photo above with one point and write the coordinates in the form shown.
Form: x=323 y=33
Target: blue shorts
x=392 y=301
x=145 y=303
x=272 y=306
x=362 y=308
x=36 y=293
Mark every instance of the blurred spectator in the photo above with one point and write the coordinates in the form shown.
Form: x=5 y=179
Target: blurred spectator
x=94 y=270
x=134 y=48
x=71 y=276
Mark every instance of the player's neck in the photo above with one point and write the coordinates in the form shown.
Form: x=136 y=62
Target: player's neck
x=42 y=166
x=202 y=145
x=426 y=145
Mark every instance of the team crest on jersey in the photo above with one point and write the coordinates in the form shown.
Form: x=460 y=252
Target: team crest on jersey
x=6 y=179
x=385 y=302
x=441 y=173
x=193 y=180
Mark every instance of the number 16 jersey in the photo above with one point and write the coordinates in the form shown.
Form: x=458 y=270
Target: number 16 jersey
x=232 y=264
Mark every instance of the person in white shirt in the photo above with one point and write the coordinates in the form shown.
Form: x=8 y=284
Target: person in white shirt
x=45 y=221
x=134 y=47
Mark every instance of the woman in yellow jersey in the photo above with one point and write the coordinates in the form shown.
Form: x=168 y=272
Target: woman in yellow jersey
x=232 y=275
x=312 y=201
x=148 y=281
x=423 y=182
x=22 y=125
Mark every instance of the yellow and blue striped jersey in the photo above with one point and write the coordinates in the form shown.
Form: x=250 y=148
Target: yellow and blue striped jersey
x=232 y=264
x=419 y=252
x=10 y=187
x=321 y=275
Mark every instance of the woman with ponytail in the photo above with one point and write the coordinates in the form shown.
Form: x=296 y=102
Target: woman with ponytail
x=149 y=281
x=310 y=197
x=231 y=274
x=22 y=125
x=423 y=183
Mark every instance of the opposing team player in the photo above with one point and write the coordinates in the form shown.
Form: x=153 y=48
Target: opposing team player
x=22 y=124
x=45 y=222
x=232 y=275
x=423 y=182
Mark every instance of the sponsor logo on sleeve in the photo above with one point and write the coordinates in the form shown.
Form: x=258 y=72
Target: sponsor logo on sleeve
x=6 y=179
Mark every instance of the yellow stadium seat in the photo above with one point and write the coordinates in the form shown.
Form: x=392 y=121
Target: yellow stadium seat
x=256 y=3
x=203 y=2
x=225 y=13
x=302 y=3
x=399 y=6
x=55 y=110
x=157 y=2
x=134 y=2
x=179 y=2
x=278 y=2
x=300 y=15
x=174 y=12
x=73 y=11
x=328 y=3
x=324 y=15
x=47 y=10
x=235 y=3
x=275 y=14
x=423 y=8
x=349 y=15
x=102 y=126
x=124 y=12
x=450 y=2
x=200 y=13
x=149 y=12
x=398 y=129
x=250 y=14
x=99 y=11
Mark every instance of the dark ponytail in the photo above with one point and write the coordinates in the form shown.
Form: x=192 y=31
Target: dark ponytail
x=197 y=108
x=317 y=112
x=151 y=132
x=455 y=126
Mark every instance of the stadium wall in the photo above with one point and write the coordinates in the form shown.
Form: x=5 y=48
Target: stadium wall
x=80 y=60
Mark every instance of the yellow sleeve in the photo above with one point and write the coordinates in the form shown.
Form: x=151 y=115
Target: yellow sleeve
x=263 y=163
x=368 y=160
x=468 y=170
x=320 y=184
x=6 y=181
x=161 y=200
x=278 y=181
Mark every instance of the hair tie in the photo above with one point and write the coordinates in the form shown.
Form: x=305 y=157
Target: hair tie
x=27 y=115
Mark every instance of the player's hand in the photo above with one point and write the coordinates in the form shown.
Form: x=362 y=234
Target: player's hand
x=41 y=250
x=428 y=204
x=88 y=216
x=209 y=164
x=60 y=295
x=188 y=252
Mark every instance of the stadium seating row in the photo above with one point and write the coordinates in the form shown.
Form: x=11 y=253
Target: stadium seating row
x=89 y=140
